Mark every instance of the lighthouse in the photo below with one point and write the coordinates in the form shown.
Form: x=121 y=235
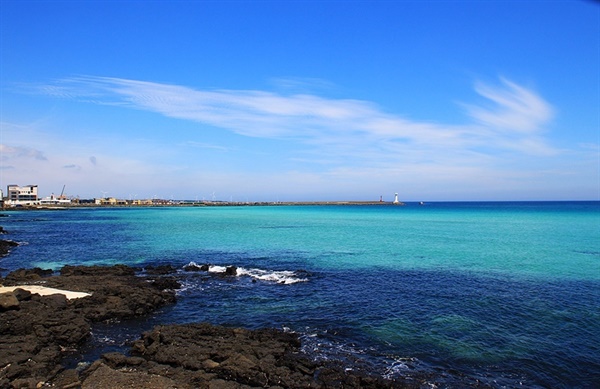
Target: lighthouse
x=396 y=198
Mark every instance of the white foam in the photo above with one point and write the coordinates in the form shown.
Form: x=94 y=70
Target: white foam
x=399 y=366
x=216 y=269
x=280 y=277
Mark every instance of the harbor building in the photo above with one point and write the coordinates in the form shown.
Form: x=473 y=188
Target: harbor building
x=22 y=195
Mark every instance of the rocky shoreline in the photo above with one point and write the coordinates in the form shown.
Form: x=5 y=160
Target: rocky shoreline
x=38 y=332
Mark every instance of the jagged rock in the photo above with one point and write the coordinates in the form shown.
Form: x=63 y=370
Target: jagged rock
x=230 y=270
x=26 y=275
x=195 y=268
x=34 y=338
x=6 y=246
x=166 y=283
x=201 y=355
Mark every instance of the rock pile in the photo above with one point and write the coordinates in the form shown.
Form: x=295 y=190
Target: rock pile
x=37 y=331
x=207 y=356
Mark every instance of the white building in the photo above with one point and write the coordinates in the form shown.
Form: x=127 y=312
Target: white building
x=22 y=195
x=55 y=200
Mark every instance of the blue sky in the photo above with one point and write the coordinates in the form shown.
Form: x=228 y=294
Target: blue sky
x=302 y=100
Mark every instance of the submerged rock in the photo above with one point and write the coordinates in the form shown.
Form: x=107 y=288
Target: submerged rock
x=160 y=269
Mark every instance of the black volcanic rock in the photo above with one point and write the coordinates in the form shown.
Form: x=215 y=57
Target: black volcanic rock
x=160 y=270
x=6 y=246
x=201 y=355
x=231 y=271
x=37 y=332
x=26 y=275
x=196 y=268
x=34 y=337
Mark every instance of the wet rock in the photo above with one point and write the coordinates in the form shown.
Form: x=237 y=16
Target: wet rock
x=163 y=283
x=230 y=270
x=160 y=270
x=6 y=246
x=116 y=271
x=196 y=268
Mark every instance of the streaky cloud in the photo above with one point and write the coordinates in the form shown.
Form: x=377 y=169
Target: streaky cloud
x=516 y=108
x=514 y=119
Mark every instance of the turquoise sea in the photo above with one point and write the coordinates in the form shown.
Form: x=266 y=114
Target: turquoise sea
x=505 y=293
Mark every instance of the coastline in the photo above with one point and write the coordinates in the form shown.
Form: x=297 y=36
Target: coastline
x=38 y=332
x=200 y=204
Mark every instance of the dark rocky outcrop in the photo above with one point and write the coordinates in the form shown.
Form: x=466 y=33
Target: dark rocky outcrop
x=37 y=331
x=207 y=356
x=160 y=269
x=194 y=267
x=35 y=336
x=6 y=246
x=23 y=276
x=8 y=301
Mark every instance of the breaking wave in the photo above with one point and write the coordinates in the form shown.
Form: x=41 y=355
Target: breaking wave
x=275 y=276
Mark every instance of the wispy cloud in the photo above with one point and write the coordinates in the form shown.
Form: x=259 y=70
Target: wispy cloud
x=514 y=118
x=11 y=152
x=330 y=145
x=516 y=109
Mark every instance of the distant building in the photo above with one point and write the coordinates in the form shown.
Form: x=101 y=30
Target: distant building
x=22 y=195
x=55 y=200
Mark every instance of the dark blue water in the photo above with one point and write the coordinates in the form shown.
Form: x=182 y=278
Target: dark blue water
x=504 y=293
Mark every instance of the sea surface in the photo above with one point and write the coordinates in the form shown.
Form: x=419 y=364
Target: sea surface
x=506 y=293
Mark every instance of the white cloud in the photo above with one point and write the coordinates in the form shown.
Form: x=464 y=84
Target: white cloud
x=337 y=146
x=515 y=121
x=516 y=109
